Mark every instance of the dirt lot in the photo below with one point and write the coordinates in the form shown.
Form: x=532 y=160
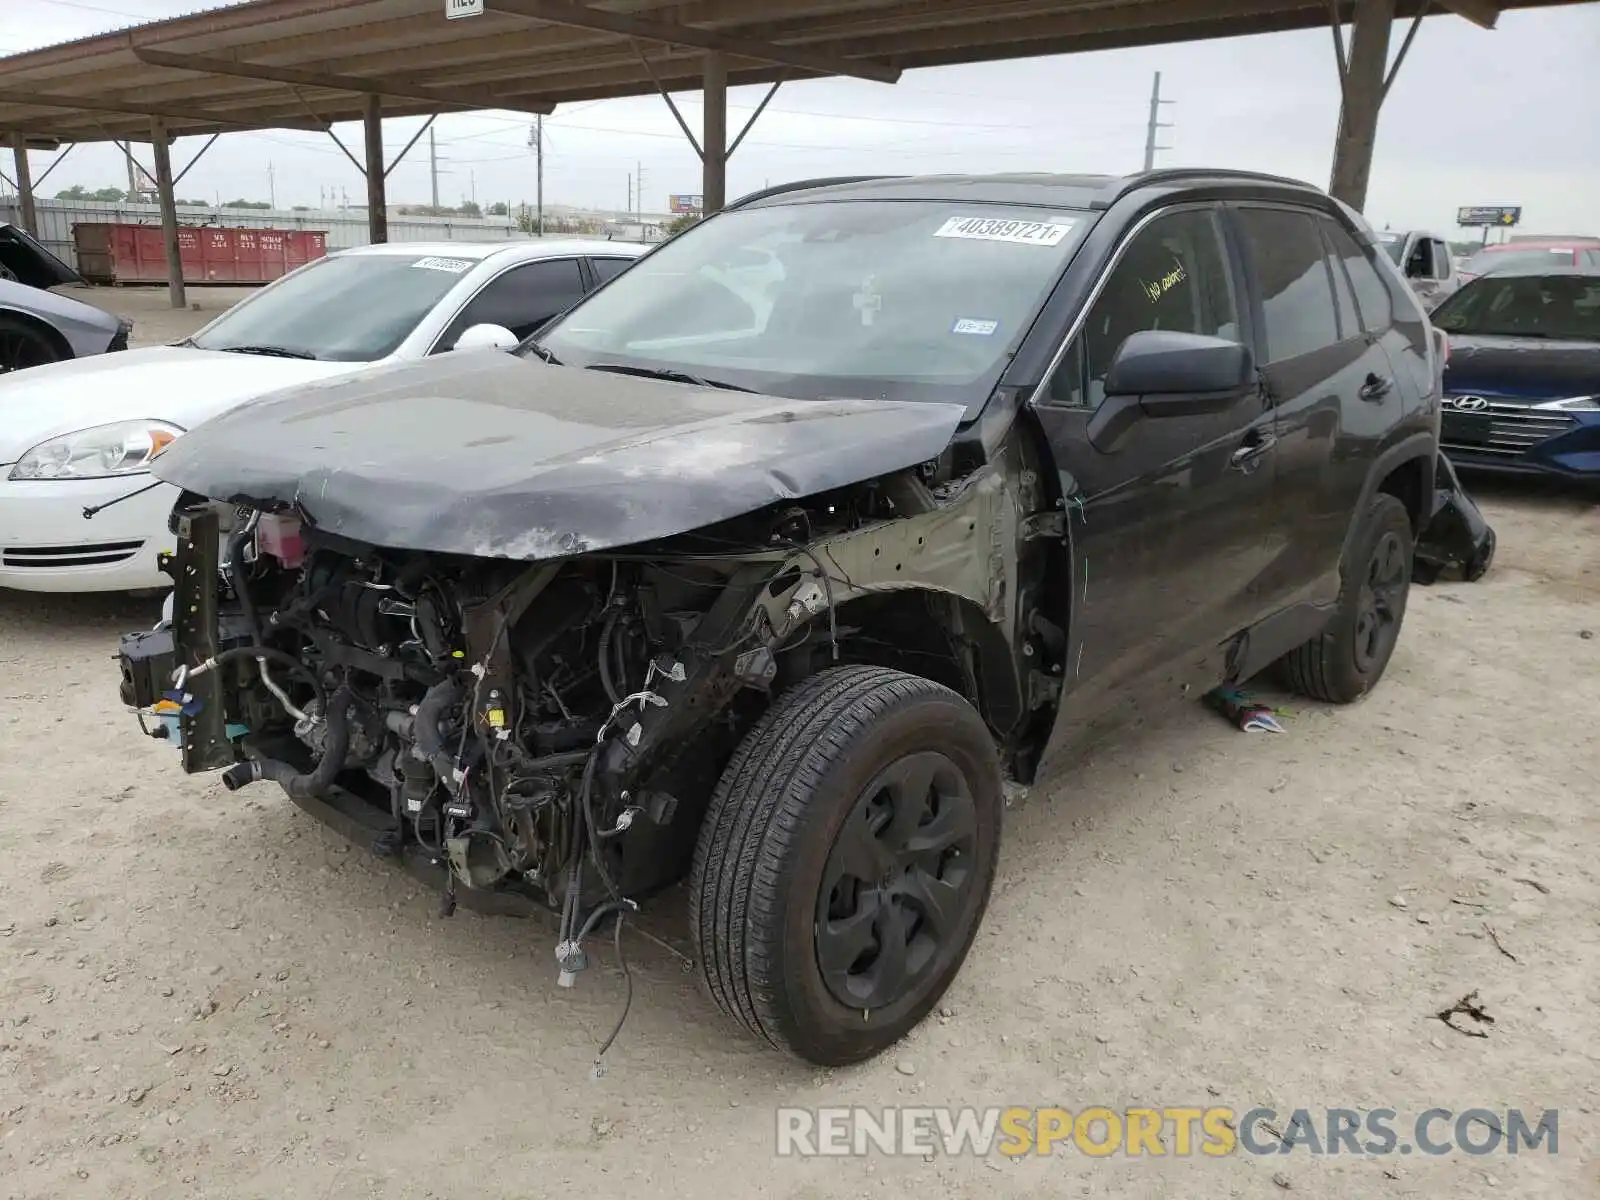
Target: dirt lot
x=204 y=994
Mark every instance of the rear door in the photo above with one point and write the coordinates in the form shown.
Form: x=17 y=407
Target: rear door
x=1329 y=384
x=1165 y=522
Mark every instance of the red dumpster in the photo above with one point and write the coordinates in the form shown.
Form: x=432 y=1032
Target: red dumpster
x=114 y=253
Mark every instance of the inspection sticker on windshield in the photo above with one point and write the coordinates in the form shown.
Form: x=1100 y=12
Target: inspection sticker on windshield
x=975 y=326
x=989 y=229
x=455 y=266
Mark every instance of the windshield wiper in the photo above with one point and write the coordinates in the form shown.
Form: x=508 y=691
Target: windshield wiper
x=540 y=352
x=268 y=351
x=669 y=375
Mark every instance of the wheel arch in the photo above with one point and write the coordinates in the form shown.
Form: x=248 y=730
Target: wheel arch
x=1405 y=471
x=38 y=325
x=944 y=637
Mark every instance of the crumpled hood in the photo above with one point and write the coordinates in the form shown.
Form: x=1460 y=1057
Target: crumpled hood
x=493 y=455
x=164 y=383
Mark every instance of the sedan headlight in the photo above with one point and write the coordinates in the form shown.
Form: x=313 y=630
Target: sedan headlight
x=1575 y=403
x=104 y=452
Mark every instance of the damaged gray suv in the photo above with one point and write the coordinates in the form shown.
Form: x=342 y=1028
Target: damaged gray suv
x=770 y=562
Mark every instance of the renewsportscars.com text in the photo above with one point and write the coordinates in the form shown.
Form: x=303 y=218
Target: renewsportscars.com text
x=1177 y=1131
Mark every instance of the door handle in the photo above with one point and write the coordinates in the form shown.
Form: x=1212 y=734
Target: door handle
x=1248 y=456
x=1376 y=387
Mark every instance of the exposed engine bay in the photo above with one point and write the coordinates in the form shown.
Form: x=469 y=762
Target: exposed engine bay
x=555 y=729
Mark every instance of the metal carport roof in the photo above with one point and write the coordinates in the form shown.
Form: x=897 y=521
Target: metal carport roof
x=307 y=64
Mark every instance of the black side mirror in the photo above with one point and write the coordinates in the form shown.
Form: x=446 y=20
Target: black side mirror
x=1160 y=373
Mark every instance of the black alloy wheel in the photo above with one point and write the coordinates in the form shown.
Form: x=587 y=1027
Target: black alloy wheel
x=845 y=862
x=1381 y=602
x=1345 y=661
x=22 y=346
x=900 y=874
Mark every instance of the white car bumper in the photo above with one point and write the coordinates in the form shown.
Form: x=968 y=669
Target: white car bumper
x=46 y=545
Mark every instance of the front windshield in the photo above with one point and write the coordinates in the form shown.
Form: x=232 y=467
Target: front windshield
x=1564 y=307
x=345 y=308
x=1394 y=246
x=1485 y=261
x=890 y=299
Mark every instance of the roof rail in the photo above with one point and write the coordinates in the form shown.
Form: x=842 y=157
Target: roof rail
x=801 y=185
x=1121 y=187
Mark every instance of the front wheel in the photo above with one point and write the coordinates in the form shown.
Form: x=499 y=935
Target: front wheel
x=845 y=862
x=1345 y=661
x=22 y=346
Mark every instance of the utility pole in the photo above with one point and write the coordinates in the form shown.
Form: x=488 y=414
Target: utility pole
x=272 y=188
x=638 y=195
x=133 y=172
x=433 y=166
x=1156 y=123
x=536 y=143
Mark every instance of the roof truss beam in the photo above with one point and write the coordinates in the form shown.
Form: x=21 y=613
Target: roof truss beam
x=1481 y=13
x=127 y=108
x=399 y=88
x=578 y=16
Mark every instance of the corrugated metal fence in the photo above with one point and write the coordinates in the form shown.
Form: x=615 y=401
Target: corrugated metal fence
x=345 y=227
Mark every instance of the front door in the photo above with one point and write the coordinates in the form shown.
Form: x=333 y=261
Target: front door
x=1166 y=523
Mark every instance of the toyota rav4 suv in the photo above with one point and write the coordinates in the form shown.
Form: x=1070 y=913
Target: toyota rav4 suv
x=772 y=579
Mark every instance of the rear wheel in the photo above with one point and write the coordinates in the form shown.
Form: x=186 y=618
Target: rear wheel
x=1346 y=660
x=845 y=862
x=24 y=345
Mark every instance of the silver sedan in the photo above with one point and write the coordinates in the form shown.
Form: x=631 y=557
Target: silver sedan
x=38 y=326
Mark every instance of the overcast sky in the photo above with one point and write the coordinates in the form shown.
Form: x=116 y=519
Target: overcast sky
x=1476 y=117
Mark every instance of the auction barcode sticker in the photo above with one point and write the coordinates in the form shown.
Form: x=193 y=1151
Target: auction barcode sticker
x=990 y=229
x=454 y=265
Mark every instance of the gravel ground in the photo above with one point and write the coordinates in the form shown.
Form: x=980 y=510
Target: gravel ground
x=204 y=994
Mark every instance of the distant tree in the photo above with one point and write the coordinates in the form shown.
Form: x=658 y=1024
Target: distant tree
x=469 y=208
x=498 y=210
x=301 y=208
x=679 y=224
x=78 y=192
x=256 y=204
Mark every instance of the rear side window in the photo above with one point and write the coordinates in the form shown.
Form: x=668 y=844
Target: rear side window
x=1297 y=301
x=1372 y=294
x=607 y=269
x=1344 y=299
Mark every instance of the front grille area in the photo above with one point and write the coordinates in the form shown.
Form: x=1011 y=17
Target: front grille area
x=1503 y=429
x=92 y=554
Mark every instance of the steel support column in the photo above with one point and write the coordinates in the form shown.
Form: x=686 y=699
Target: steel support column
x=1363 y=83
x=30 y=217
x=377 y=204
x=161 y=144
x=714 y=135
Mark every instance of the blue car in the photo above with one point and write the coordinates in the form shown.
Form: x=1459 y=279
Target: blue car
x=1522 y=383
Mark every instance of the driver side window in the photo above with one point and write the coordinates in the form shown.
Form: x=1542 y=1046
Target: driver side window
x=1172 y=276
